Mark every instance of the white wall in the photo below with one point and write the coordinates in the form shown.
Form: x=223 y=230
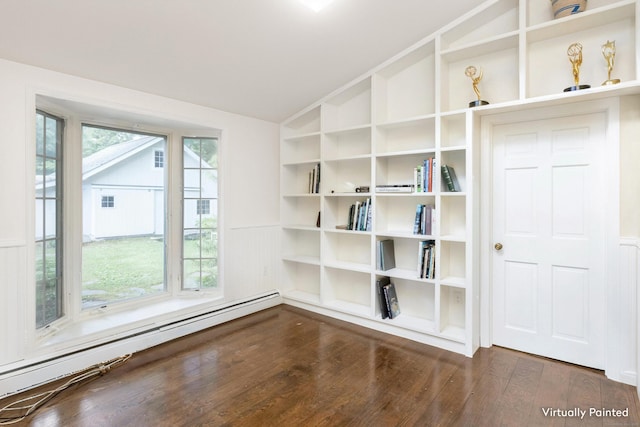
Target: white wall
x=249 y=187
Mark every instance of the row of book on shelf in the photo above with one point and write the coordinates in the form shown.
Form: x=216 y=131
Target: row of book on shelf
x=359 y=218
x=314 y=180
x=424 y=220
x=386 y=258
x=423 y=180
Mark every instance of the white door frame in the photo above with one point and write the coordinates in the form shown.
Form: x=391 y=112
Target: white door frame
x=611 y=203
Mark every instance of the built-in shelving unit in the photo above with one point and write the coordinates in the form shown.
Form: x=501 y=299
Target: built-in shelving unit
x=413 y=107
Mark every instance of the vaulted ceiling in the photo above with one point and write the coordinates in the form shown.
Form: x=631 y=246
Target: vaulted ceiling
x=260 y=58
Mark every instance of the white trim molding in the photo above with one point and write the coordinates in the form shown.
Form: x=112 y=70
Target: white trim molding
x=628 y=313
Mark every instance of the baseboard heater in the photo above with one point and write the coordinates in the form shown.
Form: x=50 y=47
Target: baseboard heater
x=42 y=371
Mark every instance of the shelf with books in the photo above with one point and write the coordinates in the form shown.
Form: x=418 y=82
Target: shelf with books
x=347 y=290
x=407 y=169
x=297 y=178
x=301 y=281
x=405 y=88
x=454 y=179
x=349 y=108
x=398 y=215
x=453 y=312
x=341 y=213
x=417 y=304
x=345 y=176
x=348 y=250
x=416 y=134
x=352 y=143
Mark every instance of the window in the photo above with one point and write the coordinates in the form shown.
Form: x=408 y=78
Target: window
x=108 y=201
x=48 y=219
x=123 y=249
x=116 y=217
x=200 y=215
x=204 y=207
x=158 y=158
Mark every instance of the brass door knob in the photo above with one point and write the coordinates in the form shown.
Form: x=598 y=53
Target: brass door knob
x=498 y=246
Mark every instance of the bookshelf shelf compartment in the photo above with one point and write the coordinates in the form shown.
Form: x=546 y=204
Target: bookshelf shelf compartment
x=301 y=245
x=336 y=212
x=417 y=305
x=348 y=109
x=399 y=169
x=498 y=18
x=549 y=53
x=397 y=215
x=301 y=281
x=305 y=124
x=303 y=149
x=452 y=259
x=406 y=87
x=413 y=135
x=452 y=312
x=344 y=176
x=350 y=249
x=348 y=144
x=347 y=290
x=300 y=212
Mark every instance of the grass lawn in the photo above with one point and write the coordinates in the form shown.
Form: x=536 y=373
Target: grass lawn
x=122 y=268
x=118 y=269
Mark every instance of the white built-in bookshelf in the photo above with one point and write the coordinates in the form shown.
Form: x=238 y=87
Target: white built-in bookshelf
x=376 y=130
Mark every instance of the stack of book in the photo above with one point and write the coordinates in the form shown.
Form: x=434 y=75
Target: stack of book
x=314 y=180
x=427 y=259
x=386 y=258
x=423 y=176
x=424 y=220
x=360 y=216
x=389 y=307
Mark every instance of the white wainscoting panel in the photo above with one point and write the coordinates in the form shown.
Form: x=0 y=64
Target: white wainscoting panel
x=252 y=260
x=12 y=285
x=629 y=269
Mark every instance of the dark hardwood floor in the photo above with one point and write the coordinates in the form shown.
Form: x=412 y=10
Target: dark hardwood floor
x=290 y=367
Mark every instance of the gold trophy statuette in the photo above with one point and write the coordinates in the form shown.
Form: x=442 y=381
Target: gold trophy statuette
x=471 y=72
x=574 y=52
x=609 y=53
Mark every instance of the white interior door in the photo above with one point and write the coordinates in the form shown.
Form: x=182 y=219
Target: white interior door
x=548 y=281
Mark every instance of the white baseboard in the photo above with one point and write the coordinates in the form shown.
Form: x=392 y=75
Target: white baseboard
x=49 y=370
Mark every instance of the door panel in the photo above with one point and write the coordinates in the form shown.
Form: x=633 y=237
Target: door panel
x=548 y=278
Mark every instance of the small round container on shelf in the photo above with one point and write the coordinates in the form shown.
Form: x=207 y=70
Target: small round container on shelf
x=562 y=8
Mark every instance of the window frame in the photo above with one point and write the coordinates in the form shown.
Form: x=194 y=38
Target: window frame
x=75 y=115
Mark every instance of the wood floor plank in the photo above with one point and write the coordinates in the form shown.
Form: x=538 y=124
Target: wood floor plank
x=289 y=367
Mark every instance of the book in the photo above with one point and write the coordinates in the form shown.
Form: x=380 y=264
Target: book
x=426 y=259
x=450 y=179
x=387 y=254
x=424 y=219
x=380 y=284
x=391 y=300
x=397 y=188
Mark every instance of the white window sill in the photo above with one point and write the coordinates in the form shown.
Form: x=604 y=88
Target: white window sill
x=105 y=324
